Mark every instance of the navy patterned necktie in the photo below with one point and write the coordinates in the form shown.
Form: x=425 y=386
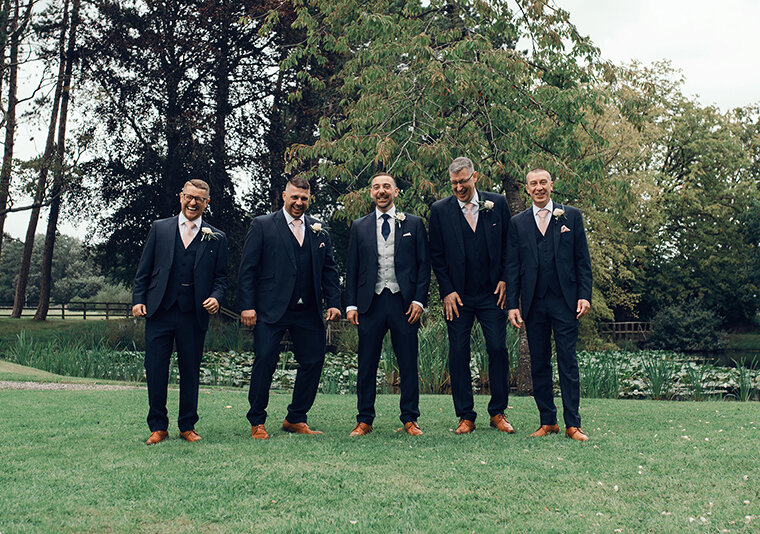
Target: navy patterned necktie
x=385 y=229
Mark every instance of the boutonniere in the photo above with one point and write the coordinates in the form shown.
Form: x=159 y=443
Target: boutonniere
x=317 y=228
x=400 y=217
x=557 y=213
x=207 y=234
x=485 y=205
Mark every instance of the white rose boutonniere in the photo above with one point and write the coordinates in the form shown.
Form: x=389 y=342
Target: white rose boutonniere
x=485 y=205
x=207 y=234
x=557 y=213
x=400 y=217
x=317 y=228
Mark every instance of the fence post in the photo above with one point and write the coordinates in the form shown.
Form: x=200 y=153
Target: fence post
x=84 y=311
x=107 y=310
x=63 y=310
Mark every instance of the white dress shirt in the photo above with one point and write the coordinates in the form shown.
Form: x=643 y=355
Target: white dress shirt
x=549 y=206
x=182 y=220
x=475 y=209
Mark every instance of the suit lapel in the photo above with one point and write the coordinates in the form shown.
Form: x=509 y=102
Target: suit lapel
x=529 y=230
x=283 y=231
x=455 y=213
x=201 y=246
x=170 y=235
x=484 y=218
x=399 y=234
x=556 y=230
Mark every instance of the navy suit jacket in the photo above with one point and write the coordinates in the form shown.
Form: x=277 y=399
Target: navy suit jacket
x=209 y=274
x=267 y=275
x=410 y=258
x=447 y=253
x=571 y=257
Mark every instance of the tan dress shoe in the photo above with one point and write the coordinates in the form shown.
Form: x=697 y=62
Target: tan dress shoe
x=259 y=432
x=190 y=435
x=298 y=428
x=544 y=430
x=574 y=432
x=412 y=428
x=500 y=421
x=361 y=429
x=157 y=437
x=465 y=426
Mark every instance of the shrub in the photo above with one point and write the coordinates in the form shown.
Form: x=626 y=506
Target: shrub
x=686 y=327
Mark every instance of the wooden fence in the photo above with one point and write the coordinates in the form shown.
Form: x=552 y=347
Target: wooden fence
x=630 y=330
x=77 y=310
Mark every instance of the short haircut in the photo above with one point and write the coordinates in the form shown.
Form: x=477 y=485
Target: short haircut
x=200 y=184
x=460 y=164
x=300 y=182
x=382 y=174
x=539 y=170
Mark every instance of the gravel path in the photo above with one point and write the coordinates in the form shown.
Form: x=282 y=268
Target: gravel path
x=9 y=384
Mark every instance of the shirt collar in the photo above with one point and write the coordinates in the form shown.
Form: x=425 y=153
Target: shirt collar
x=391 y=212
x=549 y=206
x=289 y=218
x=473 y=200
x=182 y=220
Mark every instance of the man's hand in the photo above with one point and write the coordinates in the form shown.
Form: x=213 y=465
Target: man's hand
x=248 y=318
x=138 y=310
x=515 y=318
x=353 y=317
x=501 y=291
x=211 y=305
x=450 y=303
x=414 y=312
x=333 y=314
x=582 y=308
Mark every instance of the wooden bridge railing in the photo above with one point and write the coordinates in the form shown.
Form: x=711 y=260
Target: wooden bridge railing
x=630 y=330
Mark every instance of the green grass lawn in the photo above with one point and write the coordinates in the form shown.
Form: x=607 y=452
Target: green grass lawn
x=74 y=461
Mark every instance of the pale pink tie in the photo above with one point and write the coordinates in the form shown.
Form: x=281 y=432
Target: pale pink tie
x=543 y=222
x=469 y=215
x=187 y=236
x=298 y=231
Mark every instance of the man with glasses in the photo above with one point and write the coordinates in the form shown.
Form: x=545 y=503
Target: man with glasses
x=468 y=235
x=180 y=281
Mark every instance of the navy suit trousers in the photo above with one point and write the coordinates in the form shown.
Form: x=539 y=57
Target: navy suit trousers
x=308 y=334
x=162 y=330
x=552 y=314
x=387 y=313
x=493 y=321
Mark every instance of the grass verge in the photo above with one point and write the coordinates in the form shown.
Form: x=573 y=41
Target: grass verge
x=74 y=461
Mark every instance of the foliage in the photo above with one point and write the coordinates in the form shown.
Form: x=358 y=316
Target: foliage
x=686 y=327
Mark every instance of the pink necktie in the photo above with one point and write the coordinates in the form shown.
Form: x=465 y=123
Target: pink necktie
x=469 y=215
x=298 y=231
x=187 y=236
x=543 y=223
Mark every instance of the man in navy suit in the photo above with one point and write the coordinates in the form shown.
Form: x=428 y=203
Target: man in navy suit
x=286 y=269
x=549 y=270
x=468 y=233
x=180 y=280
x=387 y=282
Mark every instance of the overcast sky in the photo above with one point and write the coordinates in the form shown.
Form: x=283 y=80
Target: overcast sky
x=714 y=43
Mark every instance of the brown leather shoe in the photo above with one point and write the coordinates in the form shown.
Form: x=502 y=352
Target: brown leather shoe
x=298 y=428
x=190 y=435
x=361 y=429
x=412 y=428
x=575 y=432
x=157 y=437
x=465 y=426
x=500 y=421
x=544 y=430
x=259 y=432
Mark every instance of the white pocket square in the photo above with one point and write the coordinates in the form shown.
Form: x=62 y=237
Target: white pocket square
x=321 y=245
x=564 y=229
x=407 y=234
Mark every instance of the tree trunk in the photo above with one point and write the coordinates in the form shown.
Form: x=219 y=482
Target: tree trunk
x=55 y=205
x=26 y=258
x=10 y=116
x=512 y=188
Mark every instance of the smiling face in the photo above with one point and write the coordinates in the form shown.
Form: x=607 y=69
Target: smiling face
x=383 y=190
x=539 y=187
x=193 y=201
x=296 y=200
x=463 y=184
